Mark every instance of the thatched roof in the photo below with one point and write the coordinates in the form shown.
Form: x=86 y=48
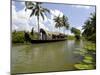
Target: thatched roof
x=50 y=33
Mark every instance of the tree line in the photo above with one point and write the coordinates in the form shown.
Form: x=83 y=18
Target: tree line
x=89 y=28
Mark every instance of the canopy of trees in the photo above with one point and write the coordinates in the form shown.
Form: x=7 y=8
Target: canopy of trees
x=18 y=37
x=61 y=22
x=76 y=32
x=90 y=28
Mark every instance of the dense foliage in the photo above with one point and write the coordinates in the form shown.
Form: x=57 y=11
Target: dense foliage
x=90 y=28
x=61 y=22
x=18 y=37
x=71 y=37
x=76 y=32
x=32 y=31
x=23 y=37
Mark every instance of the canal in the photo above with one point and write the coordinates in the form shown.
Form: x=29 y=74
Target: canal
x=56 y=56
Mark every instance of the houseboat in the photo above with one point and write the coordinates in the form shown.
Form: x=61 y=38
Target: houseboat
x=46 y=36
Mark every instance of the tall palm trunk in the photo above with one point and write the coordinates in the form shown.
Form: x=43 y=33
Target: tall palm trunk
x=67 y=32
x=59 y=29
x=38 y=27
x=64 y=31
x=38 y=23
x=37 y=10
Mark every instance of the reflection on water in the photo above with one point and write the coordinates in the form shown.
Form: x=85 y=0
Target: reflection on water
x=55 y=56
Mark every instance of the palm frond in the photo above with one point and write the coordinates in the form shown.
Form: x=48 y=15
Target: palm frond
x=42 y=15
x=46 y=10
x=37 y=12
x=29 y=5
x=33 y=12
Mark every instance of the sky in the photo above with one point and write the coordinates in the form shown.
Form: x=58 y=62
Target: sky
x=77 y=15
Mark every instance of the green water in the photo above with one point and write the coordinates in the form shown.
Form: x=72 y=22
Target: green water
x=57 y=56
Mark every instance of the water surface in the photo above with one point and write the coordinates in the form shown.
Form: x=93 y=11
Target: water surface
x=57 y=56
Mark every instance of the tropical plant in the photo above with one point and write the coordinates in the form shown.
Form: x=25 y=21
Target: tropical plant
x=23 y=36
x=29 y=5
x=27 y=37
x=61 y=22
x=32 y=31
x=65 y=22
x=58 y=22
x=76 y=32
x=18 y=37
x=37 y=10
x=89 y=28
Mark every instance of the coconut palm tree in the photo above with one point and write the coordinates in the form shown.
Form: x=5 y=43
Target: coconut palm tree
x=61 y=22
x=58 y=22
x=89 y=28
x=37 y=10
x=29 y=5
x=65 y=22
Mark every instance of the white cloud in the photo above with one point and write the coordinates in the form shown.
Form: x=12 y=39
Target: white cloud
x=56 y=13
x=22 y=21
x=79 y=27
x=14 y=17
x=14 y=27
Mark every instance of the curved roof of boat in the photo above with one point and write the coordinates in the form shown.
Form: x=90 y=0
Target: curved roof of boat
x=51 y=33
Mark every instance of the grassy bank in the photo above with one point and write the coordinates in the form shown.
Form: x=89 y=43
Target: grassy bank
x=71 y=37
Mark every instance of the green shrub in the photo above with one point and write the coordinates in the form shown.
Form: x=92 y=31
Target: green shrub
x=71 y=37
x=18 y=37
